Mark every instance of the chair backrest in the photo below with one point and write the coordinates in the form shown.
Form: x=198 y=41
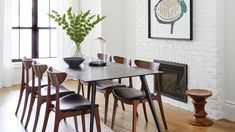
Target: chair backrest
x=152 y=66
x=101 y=56
x=122 y=60
x=55 y=79
x=27 y=63
x=126 y=61
x=146 y=64
x=26 y=66
x=39 y=70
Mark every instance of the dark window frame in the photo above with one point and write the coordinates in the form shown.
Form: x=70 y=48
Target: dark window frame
x=35 y=31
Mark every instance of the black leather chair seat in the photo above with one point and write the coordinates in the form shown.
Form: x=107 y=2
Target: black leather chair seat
x=44 y=82
x=62 y=90
x=129 y=93
x=74 y=102
x=106 y=84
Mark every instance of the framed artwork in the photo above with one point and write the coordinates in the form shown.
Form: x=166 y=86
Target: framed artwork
x=170 y=19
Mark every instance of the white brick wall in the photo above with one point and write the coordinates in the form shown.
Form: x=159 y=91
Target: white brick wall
x=202 y=55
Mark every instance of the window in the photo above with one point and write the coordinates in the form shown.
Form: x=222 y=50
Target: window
x=33 y=33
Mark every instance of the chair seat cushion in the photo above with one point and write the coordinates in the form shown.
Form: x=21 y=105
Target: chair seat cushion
x=44 y=82
x=74 y=102
x=62 y=90
x=129 y=93
x=108 y=84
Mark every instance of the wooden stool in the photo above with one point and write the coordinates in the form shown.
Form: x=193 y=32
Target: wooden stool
x=199 y=100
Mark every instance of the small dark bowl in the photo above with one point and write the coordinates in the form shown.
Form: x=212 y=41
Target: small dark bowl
x=74 y=62
x=97 y=63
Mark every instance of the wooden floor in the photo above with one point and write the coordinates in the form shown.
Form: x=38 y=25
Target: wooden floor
x=176 y=118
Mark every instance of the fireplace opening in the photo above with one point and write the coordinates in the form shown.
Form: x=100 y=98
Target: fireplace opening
x=174 y=80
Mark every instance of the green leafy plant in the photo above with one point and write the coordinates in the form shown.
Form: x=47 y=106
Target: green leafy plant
x=77 y=26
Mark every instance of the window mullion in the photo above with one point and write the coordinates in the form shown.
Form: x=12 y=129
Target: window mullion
x=49 y=29
x=35 y=31
x=19 y=29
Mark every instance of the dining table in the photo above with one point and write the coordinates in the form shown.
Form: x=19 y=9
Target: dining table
x=92 y=74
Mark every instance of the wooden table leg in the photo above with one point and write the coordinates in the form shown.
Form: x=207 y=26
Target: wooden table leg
x=150 y=101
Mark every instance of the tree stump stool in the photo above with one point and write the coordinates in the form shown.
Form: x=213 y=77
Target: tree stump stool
x=199 y=100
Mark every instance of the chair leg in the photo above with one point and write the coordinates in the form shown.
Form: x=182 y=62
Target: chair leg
x=88 y=91
x=79 y=86
x=114 y=112
x=39 y=104
x=65 y=120
x=46 y=118
x=106 y=95
x=25 y=104
x=56 y=123
x=123 y=107
x=76 y=123
x=162 y=113
x=83 y=123
x=83 y=90
x=19 y=100
x=135 y=104
x=145 y=112
x=32 y=100
x=97 y=119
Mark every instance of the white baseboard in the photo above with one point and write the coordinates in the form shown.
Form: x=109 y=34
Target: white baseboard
x=229 y=110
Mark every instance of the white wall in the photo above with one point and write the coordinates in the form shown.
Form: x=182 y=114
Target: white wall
x=129 y=18
x=119 y=28
x=1 y=37
x=113 y=26
x=229 y=100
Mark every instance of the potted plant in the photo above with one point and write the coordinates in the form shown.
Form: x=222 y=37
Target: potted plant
x=77 y=27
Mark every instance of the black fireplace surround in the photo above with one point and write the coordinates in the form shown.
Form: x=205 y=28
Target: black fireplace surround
x=174 y=80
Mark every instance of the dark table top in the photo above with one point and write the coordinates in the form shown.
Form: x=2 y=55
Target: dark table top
x=90 y=73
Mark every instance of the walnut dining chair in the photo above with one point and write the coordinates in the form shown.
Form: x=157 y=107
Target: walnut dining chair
x=82 y=83
x=106 y=86
x=70 y=105
x=133 y=96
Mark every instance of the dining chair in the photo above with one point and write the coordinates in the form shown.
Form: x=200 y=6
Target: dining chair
x=27 y=78
x=41 y=93
x=126 y=61
x=81 y=83
x=70 y=105
x=106 y=86
x=135 y=97
x=100 y=56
